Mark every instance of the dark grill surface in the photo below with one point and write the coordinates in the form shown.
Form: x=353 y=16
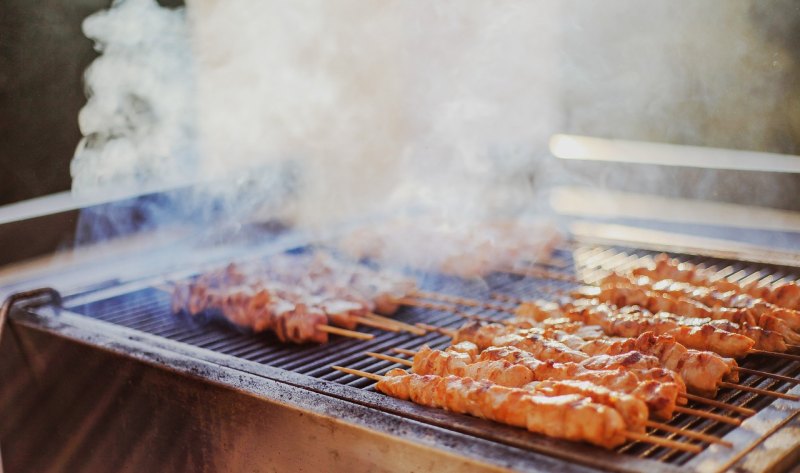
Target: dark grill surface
x=148 y=310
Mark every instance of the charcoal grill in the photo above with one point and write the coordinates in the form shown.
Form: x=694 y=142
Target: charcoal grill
x=338 y=421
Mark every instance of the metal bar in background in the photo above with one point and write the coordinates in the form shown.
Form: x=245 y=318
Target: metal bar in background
x=608 y=204
x=586 y=148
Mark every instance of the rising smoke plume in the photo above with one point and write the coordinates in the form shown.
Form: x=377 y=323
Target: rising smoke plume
x=350 y=108
x=393 y=105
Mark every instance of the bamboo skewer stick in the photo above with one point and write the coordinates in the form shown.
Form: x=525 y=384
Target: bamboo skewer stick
x=393 y=359
x=763 y=392
x=686 y=447
x=688 y=433
x=375 y=324
x=363 y=374
x=401 y=325
x=629 y=435
x=722 y=405
x=775 y=354
x=765 y=374
x=404 y=351
x=344 y=332
x=708 y=415
x=786 y=379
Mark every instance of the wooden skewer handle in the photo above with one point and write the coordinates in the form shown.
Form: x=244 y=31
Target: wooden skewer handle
x=404 y=351
x=391 y=358
x=765 y=392
x=345 y=332
x=775 y=354
x=401 y=325
x=708 y=415
x=688 y=433
x=722 y=405
x=376 y=324
x=768 y=375
x=686 y=447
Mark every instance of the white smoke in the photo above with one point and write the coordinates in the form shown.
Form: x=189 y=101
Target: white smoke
x=138 y=122
x=357 y=108
x=371 y=106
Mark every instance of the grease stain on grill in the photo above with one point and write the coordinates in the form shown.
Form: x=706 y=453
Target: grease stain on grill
x=149 y=310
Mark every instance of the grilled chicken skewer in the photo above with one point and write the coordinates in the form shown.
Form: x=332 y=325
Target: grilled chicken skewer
x=259 y=310
x=633 y=408
x=570 y=417
x=490 y=338
x=563 y=324
x=768 y=332
x=703 y=372
x=785 y=295
x=573 y=417
x=512 y=367
x=704 y=369
x=712 y=298
x=296 y=304
x=698 y=334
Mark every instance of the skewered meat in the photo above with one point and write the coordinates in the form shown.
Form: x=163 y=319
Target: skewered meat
x=735 y=307
x=712 y=298
x=644 y=366
x=632 y=321
x=701 y=371
x=292 y=295
x=522 y=368
x=756 y=328
x=466 y=347
x=486 y=335
x=572 y=417
x=633 y=411
x=660 y=397
x=504 y=373
x=785 y=295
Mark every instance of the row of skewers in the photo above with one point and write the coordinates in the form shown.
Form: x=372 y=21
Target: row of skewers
x=616 y=358
x=299 y=298
x=631 y=350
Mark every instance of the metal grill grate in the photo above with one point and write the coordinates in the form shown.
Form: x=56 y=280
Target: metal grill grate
x=148 y=310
